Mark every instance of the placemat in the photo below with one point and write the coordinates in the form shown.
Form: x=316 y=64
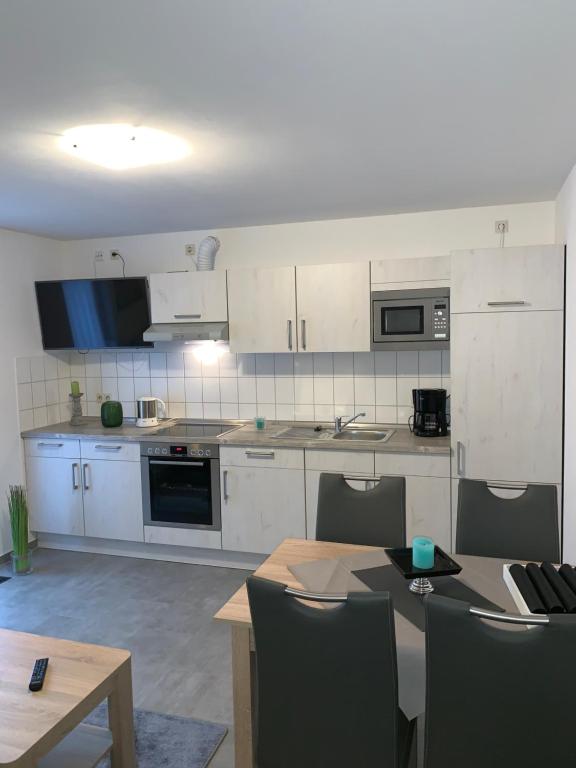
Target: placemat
x=387 y=578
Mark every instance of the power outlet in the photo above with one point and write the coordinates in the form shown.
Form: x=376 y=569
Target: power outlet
x=190 y=249
x=501 y=227
x=98 y=256
x=114 y=255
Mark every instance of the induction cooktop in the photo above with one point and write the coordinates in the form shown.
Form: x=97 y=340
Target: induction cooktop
x=194 y=431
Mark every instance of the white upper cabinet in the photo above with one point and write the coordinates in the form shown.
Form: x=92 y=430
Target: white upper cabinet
x=423 y=272
x=508 y=279
x=262 y=304
x=333 y=303
x=184 y=297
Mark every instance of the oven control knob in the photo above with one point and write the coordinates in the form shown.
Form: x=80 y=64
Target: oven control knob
x=156 y=450
x=200 y=452
x=208 y=453
x=150 y=450
x=164 y=451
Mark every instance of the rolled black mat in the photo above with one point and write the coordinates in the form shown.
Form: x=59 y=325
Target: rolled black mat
x=569 y=576
x=566 y=595
x=527 y=589
x=551 y=601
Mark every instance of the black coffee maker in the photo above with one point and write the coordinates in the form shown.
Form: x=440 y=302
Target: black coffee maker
x=429 y=418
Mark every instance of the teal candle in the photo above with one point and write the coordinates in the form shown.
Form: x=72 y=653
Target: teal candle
x=422 y=553
x=260 y=422
x=75 y=388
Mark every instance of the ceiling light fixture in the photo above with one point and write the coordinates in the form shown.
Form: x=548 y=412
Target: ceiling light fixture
x=119 y=147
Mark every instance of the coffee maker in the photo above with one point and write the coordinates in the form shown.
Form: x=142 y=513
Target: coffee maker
x=429 y=418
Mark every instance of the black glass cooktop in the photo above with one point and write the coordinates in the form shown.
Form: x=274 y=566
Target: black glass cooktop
x=192 y=431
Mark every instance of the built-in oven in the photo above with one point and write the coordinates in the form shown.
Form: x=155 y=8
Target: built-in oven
x=417 y=318
x=181 y=485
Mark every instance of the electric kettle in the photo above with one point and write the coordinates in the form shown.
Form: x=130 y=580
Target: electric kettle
x=147 y=411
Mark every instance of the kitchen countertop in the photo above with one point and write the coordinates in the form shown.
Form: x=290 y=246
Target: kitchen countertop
x=245 y=433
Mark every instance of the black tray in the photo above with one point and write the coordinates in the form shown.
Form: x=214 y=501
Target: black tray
x=443 y=564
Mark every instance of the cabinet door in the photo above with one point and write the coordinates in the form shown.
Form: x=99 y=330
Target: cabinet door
x=508 y=279
x=507 y=396
x=113 y=500
x=54 y=495
x=333 y=303
x=422 y=272
x=261 y=507
x=184 y=297
x=262 y=309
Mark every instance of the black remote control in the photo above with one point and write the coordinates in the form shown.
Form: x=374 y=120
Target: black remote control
x=38 y=675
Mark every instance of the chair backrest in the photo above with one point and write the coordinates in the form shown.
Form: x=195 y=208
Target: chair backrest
x=522 y=528
x=375 y=517
x=327 y=680
x=496 y=697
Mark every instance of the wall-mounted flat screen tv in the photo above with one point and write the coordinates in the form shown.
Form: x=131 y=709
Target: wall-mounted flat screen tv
x=93 y=314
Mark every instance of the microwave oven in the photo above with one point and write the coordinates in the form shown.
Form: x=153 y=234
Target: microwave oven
x=412 y=319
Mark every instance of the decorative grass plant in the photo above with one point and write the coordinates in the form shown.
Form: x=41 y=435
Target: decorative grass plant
x=18 y=511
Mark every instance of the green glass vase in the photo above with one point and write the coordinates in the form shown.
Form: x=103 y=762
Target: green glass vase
x=111 y=414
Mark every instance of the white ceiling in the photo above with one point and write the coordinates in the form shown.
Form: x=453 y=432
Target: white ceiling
x=297 y=109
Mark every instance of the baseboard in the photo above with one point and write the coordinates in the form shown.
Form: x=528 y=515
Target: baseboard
x=168 y=553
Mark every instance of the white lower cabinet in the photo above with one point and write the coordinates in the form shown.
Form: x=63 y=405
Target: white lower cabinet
x=55 y=495
x=113 y=500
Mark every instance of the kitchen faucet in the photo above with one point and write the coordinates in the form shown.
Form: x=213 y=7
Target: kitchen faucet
x=339 y=427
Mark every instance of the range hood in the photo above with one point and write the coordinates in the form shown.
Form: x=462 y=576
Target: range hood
x=187 y=332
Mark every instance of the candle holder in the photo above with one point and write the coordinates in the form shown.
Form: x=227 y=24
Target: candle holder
x=76 y=418
x=421 y=586
x=420 y=583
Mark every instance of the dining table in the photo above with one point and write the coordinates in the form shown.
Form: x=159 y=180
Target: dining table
x=482 y=574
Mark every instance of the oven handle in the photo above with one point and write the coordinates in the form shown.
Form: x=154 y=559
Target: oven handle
x=179 y=463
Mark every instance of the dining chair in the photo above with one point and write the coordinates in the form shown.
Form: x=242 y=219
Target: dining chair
x=373 y=517
x=521 y=528
x=327 y=681
x=496 y=697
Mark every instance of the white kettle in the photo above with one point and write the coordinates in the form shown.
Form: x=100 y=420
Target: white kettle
x=147 y=411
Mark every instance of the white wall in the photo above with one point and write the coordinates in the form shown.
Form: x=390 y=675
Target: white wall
x=378 y=237
x=566 y=233
x=23 y=259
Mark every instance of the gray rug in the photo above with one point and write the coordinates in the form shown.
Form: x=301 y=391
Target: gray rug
x=167 y=741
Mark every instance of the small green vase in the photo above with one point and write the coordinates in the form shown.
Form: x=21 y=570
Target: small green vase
x=111 y=414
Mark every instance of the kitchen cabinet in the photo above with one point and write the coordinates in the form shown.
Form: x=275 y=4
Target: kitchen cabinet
x=508 y=279
x=113 y=500
x=184 y=297
x=262 y=309
x=402 y=274
x=333 y=302
x=507 y=392
x=263 y=499
x=54 y=492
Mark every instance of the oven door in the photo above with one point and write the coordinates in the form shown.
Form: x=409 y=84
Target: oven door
x=402 y=320
x=181 y=493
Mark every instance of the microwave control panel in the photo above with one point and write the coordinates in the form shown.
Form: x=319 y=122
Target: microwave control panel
x=441 y=320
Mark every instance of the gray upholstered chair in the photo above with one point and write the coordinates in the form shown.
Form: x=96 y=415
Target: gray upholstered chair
x=375 y=517
x=522 y=528
x=495 y=697
x=327 y=686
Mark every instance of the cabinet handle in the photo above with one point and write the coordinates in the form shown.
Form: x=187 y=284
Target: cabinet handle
x=289 y=334
x=260 y=454
x=506 y=303
x=75 y=484
x=85 y=477
x=187 y=317
x=225 y=484
x=303 y=325
x=50 y=445
x=460 y=458
x=107 y=447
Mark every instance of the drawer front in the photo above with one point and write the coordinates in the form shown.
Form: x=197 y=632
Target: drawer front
x=348 y=462
x=409 y=464
x=48 y=446
x=110 y=450
x=249 y=456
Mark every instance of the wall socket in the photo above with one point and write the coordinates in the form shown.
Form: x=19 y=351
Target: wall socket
x=501 y=227
x=114 y=255
x=98 y=256
x=190 y=249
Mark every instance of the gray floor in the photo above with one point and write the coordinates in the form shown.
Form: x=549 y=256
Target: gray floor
x=162 y=612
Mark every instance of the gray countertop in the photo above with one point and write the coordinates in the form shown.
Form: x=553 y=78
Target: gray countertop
x=245 y=433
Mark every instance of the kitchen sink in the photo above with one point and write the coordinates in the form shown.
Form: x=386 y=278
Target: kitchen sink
x=303 y=433
x=372 y=435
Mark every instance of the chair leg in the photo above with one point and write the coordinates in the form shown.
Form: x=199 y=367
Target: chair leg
x=407 y=746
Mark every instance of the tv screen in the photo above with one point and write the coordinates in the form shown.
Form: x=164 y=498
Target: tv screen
x=93 y=314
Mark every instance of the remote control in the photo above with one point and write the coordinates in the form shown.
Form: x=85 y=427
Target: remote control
x=38 y=675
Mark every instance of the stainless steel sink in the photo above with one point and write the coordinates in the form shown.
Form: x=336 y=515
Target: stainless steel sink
x=372 y=435
x=303 y=433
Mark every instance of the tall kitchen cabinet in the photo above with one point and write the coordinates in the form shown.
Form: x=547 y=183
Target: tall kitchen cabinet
x=507 y=342
x=316 y=308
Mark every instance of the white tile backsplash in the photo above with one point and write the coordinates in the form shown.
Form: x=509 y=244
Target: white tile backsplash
x=283 y=386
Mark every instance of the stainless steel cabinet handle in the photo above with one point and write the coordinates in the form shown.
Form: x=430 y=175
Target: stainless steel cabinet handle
x=50 y=445
x=108 y=447
x=289 y=334
x=225 y=484
x=187 y=317
x=260 y=454
x=75 y=484
x=178 y=463
x=506 y=303
x=85 y=477
x=460 y=458
x=303 y=339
